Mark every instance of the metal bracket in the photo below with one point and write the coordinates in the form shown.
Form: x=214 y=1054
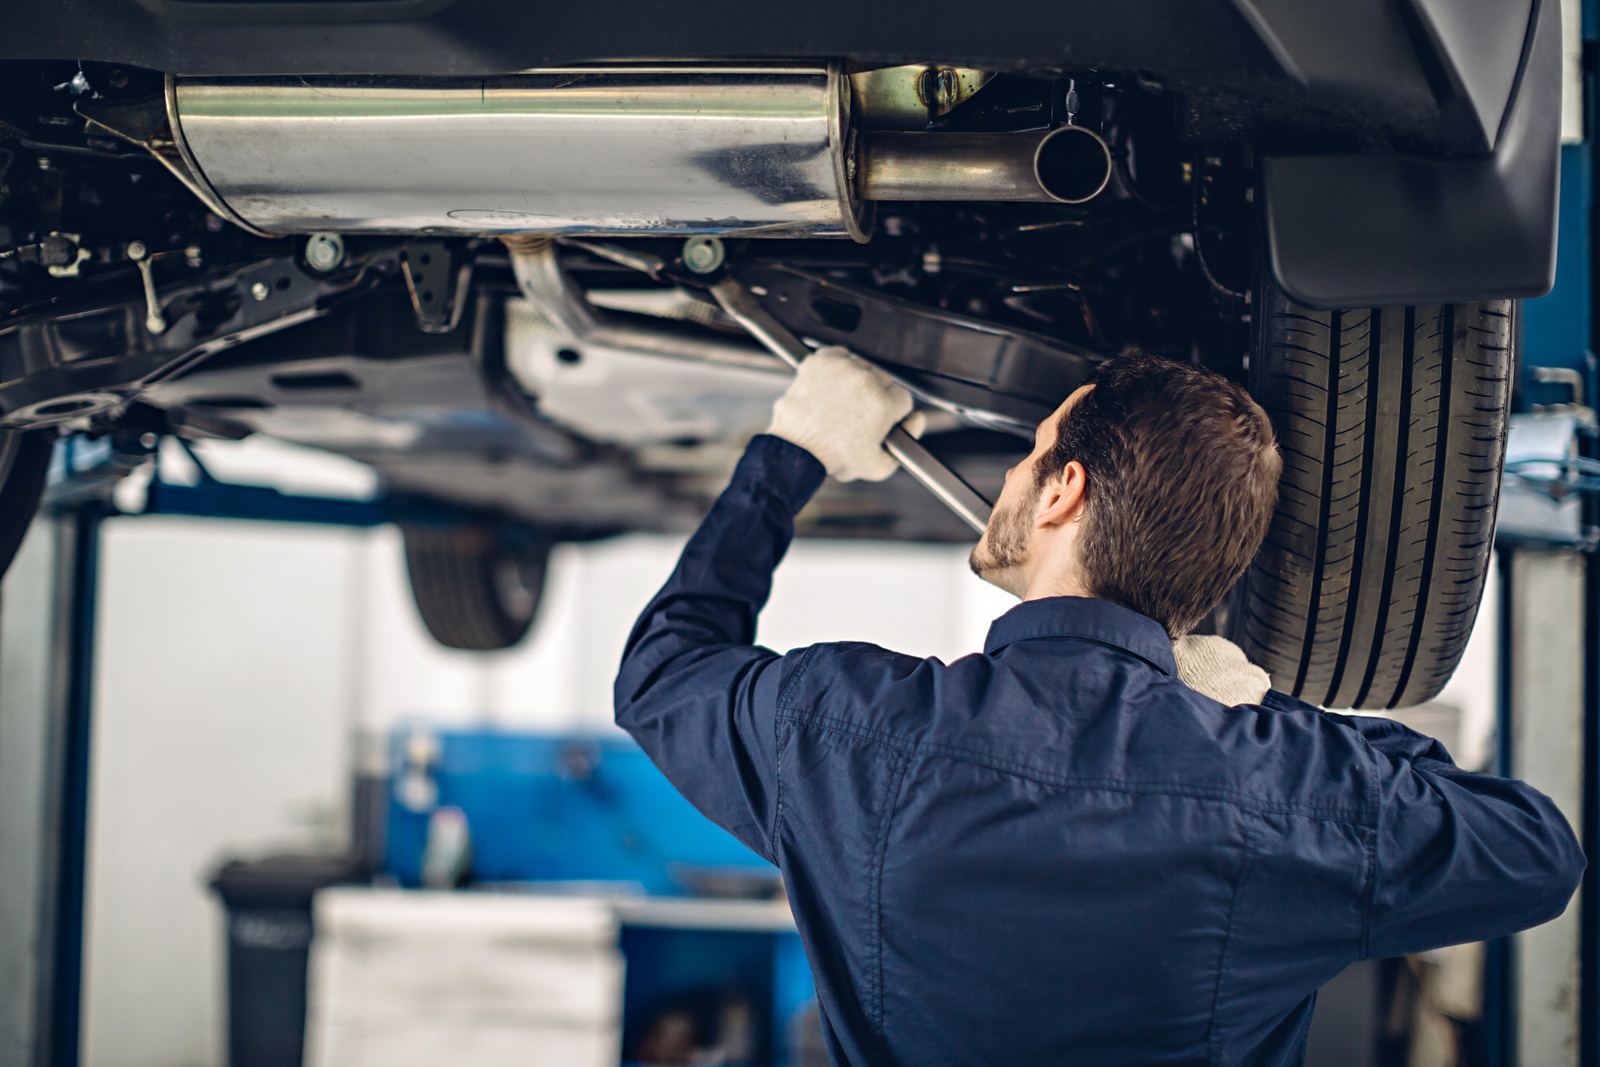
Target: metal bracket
x=78 y=254
x=436 y=298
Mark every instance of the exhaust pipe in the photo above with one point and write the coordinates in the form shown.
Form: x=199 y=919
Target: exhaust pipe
x=1068 y=165
x=757 y=151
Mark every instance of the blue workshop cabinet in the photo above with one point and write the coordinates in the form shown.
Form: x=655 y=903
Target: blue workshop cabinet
x=564 y=812
x=554 y=808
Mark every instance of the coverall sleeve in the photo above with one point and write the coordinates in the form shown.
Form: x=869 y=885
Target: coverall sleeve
x=694 y=691
x=1457 y=856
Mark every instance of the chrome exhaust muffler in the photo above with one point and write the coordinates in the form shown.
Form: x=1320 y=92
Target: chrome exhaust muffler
x=750 y=150
x=757 y=151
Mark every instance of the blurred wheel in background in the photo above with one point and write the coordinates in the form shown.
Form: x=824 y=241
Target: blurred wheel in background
x=474 y=587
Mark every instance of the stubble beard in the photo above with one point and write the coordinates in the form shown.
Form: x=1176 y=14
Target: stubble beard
x=999 y=556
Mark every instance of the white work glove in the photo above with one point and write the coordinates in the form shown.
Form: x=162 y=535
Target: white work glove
x=840 y=408
x=1219 y=668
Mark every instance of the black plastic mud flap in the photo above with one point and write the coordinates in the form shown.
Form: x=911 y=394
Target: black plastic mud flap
x=1355 y=231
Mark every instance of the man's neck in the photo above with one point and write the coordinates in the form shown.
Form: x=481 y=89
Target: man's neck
x=1055 y=569
x=1048 y=585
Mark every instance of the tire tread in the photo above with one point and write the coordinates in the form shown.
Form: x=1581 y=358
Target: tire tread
x=1392 y=425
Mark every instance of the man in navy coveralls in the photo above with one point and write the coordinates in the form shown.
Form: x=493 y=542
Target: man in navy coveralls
x=1057 y=852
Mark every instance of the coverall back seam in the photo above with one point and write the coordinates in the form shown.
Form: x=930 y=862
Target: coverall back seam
x=880 y=848
x=784 y=729
x=800 y=668
x=1370 y=890
x=1229 y=938
x=781 y=740
x=961 y=755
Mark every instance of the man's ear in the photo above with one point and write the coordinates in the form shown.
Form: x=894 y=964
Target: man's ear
x=1062 y=499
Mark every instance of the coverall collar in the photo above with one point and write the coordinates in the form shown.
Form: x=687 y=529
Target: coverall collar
x=1085 y=619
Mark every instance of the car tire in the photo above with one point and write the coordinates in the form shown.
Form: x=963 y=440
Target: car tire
x=474 y=590
x=1392 y=425
x=24 y=465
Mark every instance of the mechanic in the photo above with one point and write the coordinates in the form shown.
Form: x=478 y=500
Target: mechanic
x=1057 y=851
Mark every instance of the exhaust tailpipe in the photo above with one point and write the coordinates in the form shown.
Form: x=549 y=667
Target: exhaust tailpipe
x=1067 y=165
x=758 y=151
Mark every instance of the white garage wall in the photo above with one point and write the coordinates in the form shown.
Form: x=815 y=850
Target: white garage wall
x=224 y=675
x=917 y=598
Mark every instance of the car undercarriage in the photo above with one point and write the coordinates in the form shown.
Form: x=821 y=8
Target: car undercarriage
x=500 y=289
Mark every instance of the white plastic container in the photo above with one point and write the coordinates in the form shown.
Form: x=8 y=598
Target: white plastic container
x=422 y=979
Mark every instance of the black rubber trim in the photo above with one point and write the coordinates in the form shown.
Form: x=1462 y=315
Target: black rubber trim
x=1367 y=230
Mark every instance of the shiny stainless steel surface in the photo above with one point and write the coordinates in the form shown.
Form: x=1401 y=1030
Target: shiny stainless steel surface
x=1068 y=165
x=924 y=466
x=753 y=150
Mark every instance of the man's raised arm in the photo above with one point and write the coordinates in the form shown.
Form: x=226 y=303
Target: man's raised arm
x=693 y=690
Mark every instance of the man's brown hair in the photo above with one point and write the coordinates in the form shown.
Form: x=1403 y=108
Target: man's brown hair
x=1183 y=478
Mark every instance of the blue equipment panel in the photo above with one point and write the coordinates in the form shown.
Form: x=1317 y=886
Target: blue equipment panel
x=566 y=808
x=563 y=808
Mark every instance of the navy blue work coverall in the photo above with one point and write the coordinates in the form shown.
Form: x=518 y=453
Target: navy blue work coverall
x=1055 y=852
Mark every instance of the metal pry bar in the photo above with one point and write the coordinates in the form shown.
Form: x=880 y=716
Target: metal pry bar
x=921 y=464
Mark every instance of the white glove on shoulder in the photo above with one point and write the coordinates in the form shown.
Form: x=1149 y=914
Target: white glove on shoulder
x=840 y=408
x=1219 y=668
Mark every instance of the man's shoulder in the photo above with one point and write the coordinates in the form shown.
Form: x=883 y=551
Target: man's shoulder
x=1093 y=714
x=1286 y=755
x=860 y=674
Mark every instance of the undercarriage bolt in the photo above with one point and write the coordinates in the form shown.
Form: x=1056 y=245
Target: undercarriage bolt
x=703 y=253
x=261 y=290
x=324 y=251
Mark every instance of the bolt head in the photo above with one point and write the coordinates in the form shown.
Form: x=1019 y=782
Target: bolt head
x=324 y=251
x=703 y=253
x=261 y=290
x=136 y=250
